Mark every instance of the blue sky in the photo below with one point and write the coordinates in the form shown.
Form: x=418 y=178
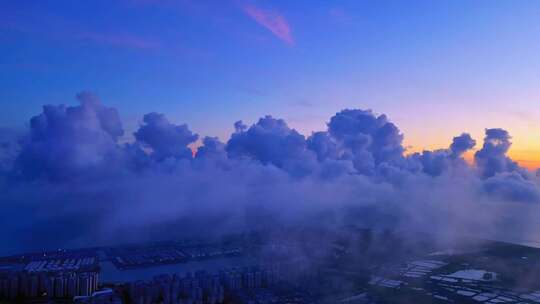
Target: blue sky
x=436 y=68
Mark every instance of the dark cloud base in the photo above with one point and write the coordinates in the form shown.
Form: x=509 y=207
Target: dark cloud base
x=70 y=181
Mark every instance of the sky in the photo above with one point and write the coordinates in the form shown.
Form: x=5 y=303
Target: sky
x=436 y=68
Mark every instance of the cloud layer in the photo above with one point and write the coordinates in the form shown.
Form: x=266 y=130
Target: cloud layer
x=71 y=181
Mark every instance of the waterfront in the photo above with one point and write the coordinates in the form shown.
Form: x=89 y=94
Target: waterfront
x=111 y=274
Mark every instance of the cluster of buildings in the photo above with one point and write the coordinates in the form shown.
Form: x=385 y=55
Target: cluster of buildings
x=202 y=252
x=201 y=287
x=29 y=285
x=147 y=257
x=66 y=276
x=50 y=277
x=171 y=254
x=68 y=264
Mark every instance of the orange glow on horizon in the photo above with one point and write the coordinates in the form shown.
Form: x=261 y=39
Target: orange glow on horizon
x=529 y=159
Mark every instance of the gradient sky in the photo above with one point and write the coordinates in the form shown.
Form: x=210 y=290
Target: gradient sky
x=436 y=68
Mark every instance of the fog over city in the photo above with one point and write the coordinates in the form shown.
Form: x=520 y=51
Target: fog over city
x=75 y=178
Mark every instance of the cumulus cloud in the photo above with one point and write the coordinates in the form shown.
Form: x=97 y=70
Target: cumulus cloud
x=271 y=141
x=362 y=132
x=492 y=159
x=65 y=142
x=71 y=181
x=438 y=162
x=212 y=147
x=461 y=144
x=323 y=145
x=164 y=138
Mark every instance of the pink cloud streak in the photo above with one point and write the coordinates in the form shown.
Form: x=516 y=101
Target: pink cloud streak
x=272 y=21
